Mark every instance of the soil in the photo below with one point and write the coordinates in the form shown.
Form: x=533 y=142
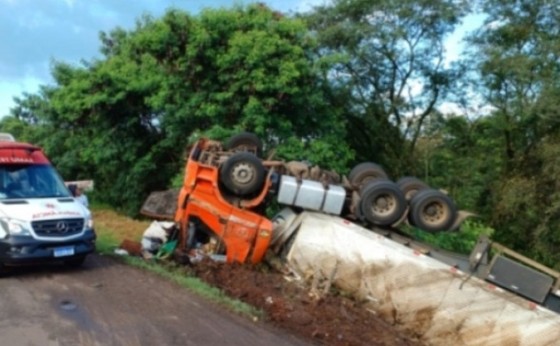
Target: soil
x=326 y=319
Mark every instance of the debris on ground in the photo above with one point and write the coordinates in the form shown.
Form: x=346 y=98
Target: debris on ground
x=328 y=319
x=156 y=235
x=130 y=247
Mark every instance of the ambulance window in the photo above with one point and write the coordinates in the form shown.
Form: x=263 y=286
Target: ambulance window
x=31 y=181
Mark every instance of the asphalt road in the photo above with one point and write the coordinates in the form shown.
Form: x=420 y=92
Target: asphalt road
x=108 y=303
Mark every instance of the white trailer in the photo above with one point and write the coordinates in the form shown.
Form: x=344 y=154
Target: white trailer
x=438 y=302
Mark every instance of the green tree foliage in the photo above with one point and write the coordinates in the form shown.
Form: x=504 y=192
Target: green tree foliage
x=125 y=120
x=517 y=54
x=387 y=70
x=527 y=205
x=517 y=57
x=353 y=80
x=463 y=156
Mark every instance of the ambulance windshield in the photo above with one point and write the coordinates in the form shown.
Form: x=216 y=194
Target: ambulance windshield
x=31 y=181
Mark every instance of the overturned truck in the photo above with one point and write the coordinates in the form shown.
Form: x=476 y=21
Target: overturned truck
x=227 y=188
x=340 y=230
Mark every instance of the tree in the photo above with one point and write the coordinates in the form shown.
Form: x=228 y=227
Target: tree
x=387 y=69
x=463 y=156
x=126 y=119
x=517 y=55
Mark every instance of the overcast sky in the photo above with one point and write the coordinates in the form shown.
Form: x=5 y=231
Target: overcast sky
x=35 y=32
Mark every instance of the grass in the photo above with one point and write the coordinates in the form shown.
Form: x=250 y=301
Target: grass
x=106 y=242
x=112 y=229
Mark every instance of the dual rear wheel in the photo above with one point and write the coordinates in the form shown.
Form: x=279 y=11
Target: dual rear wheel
x=381 y=203
x=385 y=203
x=432 y=210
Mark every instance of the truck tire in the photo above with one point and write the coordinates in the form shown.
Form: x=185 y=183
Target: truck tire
x=245 y=141
x=432 y=211
x=364 y=172
x=382 y=203
x=410 y=186
x=242 y=174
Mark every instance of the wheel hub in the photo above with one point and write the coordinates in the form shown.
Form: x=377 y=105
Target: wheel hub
x=383 y=204
x=434 y=213
x=431 y=211
x=243 y=173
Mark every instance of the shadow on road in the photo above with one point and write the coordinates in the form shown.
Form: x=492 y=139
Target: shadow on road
x=49 y=269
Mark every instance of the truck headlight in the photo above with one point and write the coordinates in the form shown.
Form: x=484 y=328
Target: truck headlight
x=14 y=227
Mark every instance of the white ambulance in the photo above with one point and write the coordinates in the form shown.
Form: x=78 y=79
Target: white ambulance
x=40 y=221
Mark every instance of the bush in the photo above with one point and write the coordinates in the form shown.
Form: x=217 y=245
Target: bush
x=462 y=241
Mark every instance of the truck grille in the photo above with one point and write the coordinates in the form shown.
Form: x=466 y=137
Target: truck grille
x=58 y=228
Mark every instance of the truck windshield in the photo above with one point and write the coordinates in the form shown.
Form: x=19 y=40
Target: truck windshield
x=31 y=181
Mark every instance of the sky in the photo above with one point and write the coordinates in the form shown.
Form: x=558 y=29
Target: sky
x=36 y=32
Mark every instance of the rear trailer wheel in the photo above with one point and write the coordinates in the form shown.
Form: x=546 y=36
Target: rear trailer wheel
x=432 y=210
x=365 y=172
x=410 y=186
x=245 y=141
x=242 y=174
x=382 y=203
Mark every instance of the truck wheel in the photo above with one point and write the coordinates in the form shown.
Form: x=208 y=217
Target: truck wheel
x=245 y=141
x=382 y=202
x=242 y=174
x=364 y=172
x=432 y=211
x=410 y=186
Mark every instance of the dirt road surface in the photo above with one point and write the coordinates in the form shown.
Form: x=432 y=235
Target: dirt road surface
x=108 y=303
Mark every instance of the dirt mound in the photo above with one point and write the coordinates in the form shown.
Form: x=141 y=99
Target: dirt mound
x=327 y=319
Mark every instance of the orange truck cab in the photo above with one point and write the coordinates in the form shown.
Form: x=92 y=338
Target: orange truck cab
x=40 y=221
x=245 y=233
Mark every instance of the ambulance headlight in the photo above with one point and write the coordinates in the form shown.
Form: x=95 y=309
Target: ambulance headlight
x=13 y=227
